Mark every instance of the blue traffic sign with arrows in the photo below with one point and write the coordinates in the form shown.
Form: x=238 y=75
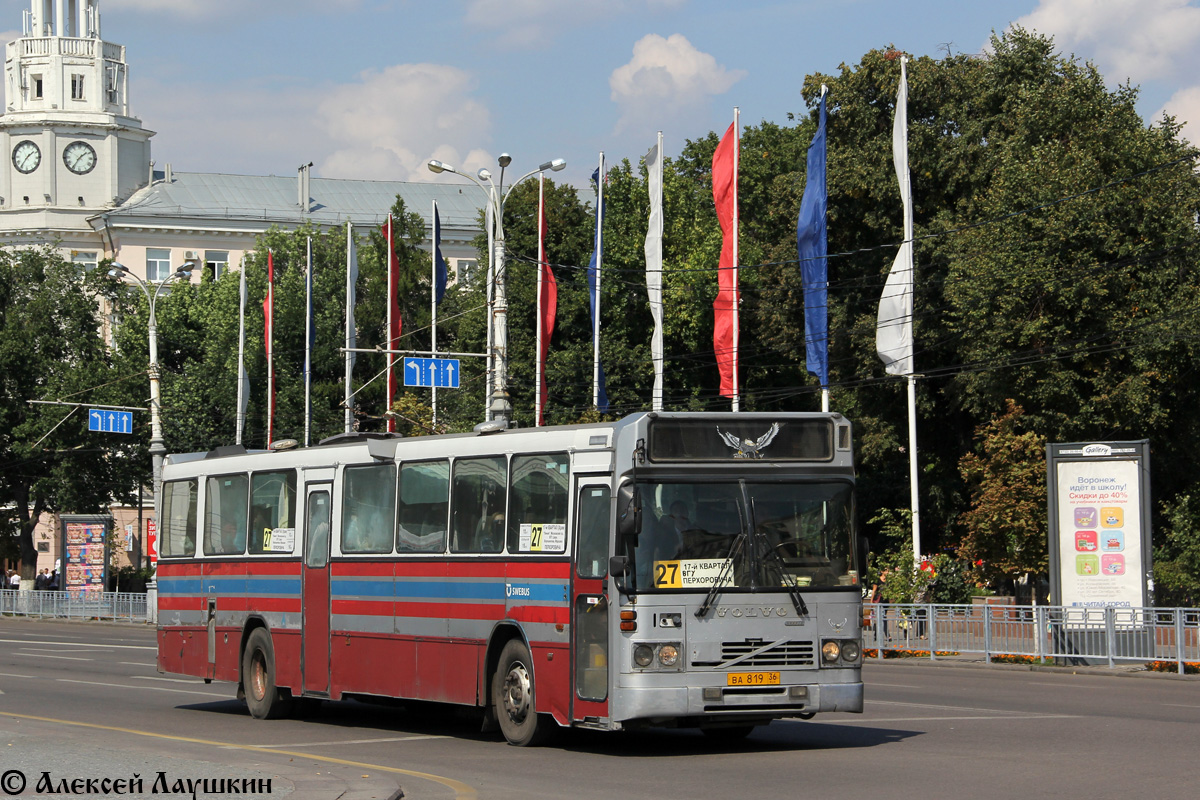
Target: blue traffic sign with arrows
x=441 y=373
x=108 y=421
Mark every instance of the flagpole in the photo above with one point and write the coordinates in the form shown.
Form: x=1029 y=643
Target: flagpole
x=737 y=296
x=912 y=377
x=599 y=272
x=270 y=347
x=391 y=358
x=433 y=253
x=241 y=391
x=351 y=274
x=308 y=341
x=537 y=388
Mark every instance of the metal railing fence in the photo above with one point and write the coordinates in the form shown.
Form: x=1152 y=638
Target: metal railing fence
x=1052 y=634
x=75 y=605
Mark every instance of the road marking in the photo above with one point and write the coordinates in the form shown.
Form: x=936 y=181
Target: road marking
x=81 y=644
x=1179 y=705
x=191 y=681
x=896 y=685
x=58 y=649
x=460 y=789
x=138 y=663
x=14 y=675
x=360 y=741
x=873 y=720
x=43 y=655
x=943 y=708
x=209 y=695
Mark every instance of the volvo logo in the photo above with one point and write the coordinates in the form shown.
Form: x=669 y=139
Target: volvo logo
x=752 y=612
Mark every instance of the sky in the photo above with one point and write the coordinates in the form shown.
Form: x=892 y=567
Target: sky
x=375 y=88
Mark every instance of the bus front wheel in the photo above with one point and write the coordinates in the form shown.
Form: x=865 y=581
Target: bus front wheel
x=264 y=698
x=513 y=697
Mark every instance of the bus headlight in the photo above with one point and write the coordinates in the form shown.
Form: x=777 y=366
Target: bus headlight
x=668 y=655
x=851 y=651
x=643 y=655
x=830 y=651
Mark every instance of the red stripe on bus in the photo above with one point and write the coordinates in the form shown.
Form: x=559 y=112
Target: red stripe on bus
x=169 y=603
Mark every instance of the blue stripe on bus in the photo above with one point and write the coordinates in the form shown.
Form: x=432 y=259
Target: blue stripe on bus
x=229 y=585
x=444 y=590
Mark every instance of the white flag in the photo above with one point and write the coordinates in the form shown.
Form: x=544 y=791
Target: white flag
x=654 y=237
x=893 y=327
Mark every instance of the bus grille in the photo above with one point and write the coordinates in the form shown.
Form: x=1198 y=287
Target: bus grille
x=764 y=655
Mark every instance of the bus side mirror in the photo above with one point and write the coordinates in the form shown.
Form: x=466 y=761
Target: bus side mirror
x=629 y=511
x=864 y=549
x=618 y=568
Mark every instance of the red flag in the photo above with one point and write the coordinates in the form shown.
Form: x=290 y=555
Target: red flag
x=547 y=302
x=393 y=317
x=724 y=177
x=269 y=337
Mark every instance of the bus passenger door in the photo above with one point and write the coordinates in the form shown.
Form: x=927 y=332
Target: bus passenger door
x=315 y=624
x=589 y=606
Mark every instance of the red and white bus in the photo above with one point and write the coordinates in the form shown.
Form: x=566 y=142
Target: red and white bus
x=667 y=569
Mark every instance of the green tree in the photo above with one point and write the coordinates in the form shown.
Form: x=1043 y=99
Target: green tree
x=1005 y=527
x=51 y=348
x=1177 y=558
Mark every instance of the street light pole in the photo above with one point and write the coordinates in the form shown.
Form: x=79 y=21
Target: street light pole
x=501 y=406
x=158 y=447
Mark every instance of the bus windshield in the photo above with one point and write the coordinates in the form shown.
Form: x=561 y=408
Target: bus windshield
x=743 y=535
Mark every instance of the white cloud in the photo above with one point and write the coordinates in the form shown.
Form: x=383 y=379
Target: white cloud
x=389 y=123
x=1136 y=39
x=384 y=125
x=667 y=78
x=1184 y=105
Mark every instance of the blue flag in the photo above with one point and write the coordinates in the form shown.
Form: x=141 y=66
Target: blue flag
x=811 y=246
x=593 y=276
x=440 y=271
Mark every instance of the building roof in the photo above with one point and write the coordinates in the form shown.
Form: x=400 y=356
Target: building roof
x=260 y=201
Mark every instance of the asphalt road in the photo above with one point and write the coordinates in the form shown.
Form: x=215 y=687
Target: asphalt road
x=83 y=700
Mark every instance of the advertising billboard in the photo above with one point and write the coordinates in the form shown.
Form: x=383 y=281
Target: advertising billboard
x=1099 y=515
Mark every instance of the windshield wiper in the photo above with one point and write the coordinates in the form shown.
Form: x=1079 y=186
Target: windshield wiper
x=735 y=548
x=773 y=555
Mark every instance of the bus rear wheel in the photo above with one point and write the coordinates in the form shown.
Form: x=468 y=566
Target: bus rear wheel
x=263 y=697
x=513 y=697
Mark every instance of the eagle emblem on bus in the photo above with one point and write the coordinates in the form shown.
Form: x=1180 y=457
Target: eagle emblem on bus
x=746 y=448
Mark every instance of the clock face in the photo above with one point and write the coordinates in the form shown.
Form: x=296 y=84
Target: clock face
x=26 y=156
x=79 y=157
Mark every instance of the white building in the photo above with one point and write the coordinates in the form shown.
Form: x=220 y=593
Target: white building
x=79 y=175
x=79 y=171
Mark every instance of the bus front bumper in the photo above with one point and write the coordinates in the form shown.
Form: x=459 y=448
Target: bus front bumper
x=662 y=704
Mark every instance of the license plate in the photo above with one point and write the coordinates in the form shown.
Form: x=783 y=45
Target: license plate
x=752 y=679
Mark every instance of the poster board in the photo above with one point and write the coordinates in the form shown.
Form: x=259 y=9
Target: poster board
x=84 y=548
x=1099 y=524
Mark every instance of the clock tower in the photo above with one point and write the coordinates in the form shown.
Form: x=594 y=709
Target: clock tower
x=71 y=148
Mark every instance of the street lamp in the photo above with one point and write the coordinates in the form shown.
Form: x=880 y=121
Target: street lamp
x=501 y=406
x=158 y=448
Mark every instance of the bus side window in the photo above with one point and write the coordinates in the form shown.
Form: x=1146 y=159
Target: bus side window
x=272 y=506
x=421 y=512
x=477 y=497
x=369 y=509
x=178 y=536
x=225 y=500
x=537 y=509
